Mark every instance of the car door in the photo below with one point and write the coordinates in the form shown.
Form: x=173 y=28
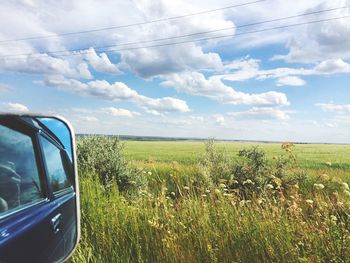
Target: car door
x=60 y=181
x=28 y=212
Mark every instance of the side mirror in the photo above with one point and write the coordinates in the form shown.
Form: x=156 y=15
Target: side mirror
x=39 y=193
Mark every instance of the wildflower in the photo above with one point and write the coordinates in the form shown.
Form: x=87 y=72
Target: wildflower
x=217 y=191
x=269 y=186
x=309 y=201
x=186 y=188
x=347 y=193
x=248 y=181
x=260 y=201
x=345 y=186
x=222 y=185
x=319 y=186
x=329 y=163
x=149 y=173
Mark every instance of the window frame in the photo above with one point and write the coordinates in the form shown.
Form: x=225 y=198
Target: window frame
x=54 y=194
x=24 y=128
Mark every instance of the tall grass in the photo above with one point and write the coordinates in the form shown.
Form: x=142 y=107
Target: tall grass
x=183 y=214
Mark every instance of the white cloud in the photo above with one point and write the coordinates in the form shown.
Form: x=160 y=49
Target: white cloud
x=290 y=81
x=219 y=119
x=41 y=19
x=247 y=68
x=100 y=62
x=14 y=107
x=118 y=112
x=195 y=83
x=152 y=62
x=117 y=91
x=87 y=118
x=264 y=113
x=332 y=66
x=336 y=108
x=44 y=64
x=321 y=41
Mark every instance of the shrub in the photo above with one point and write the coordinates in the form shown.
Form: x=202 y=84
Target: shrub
x=103 y=156
x=251 y=173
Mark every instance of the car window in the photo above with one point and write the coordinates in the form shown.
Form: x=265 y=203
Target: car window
x=19 y=176
x=57 y=175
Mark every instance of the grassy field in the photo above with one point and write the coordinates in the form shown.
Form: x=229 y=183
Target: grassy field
x=197 y=202
x=313 y=157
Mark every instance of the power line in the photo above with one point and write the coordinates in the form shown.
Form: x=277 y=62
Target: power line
x=131 y=25
x=192 y=41
x=57 y=52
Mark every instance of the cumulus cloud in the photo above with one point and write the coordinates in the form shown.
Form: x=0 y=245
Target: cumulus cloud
x=195 y=83
x=264 y=113
x=87 y=118
x=44 y=64
x=247 y=68
x=332 y=66
x=149 y=63
x=100 y=62
x=321 y=41
x=219 y=119
x=117 y=91
x=290 y=81
x=118 y=112
x=145 y=62
x=336 y=108
x=13 y=107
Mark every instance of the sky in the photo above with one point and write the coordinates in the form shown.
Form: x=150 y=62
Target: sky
x=194 y=68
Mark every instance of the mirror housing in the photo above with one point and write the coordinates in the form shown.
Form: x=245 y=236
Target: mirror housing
x=39 y=189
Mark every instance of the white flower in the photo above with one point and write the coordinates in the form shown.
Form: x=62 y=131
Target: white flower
x=319 y=186
x=269 y=186
x=345 y=186
x=248 y=181
x=309 y=201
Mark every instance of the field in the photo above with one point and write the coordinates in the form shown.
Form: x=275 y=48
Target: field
x=158 y=201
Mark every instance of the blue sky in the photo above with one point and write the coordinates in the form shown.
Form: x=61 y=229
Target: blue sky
x=287 y=84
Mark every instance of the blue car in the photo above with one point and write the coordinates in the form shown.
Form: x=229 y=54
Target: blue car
x=39 y=196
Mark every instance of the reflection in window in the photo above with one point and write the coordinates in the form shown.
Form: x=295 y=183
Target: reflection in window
x=19 y=177
x=57 y=175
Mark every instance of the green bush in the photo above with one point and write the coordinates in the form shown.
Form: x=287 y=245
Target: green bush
x=104 y=156
x=251 y=173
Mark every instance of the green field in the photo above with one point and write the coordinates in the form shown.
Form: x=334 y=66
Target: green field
x=156 y=201
x=313 y=157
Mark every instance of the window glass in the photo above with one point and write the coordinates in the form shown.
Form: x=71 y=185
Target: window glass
x=57 y=174
x=19 y=176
